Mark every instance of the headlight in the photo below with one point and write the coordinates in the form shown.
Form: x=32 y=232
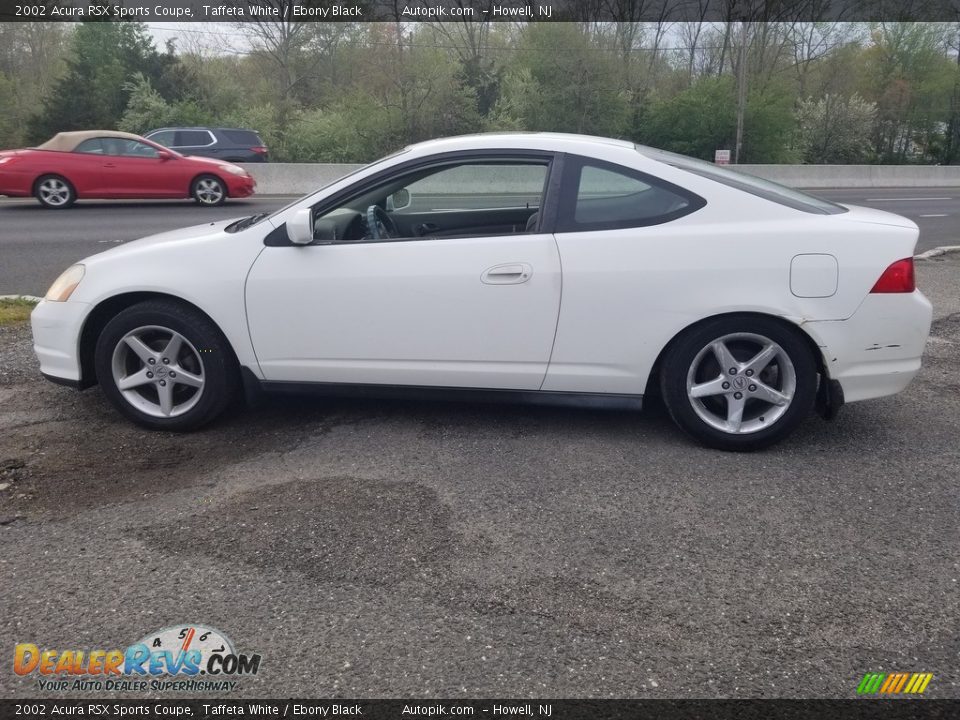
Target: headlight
x=235 y=169
x=63 y=286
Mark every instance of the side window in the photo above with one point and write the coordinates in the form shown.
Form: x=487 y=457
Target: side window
x=93 y=146
x=602 y=196
x=164 y=137
x=129 y=148
x=479 y=187
x=243 y=137
x=193 y=138
x=470 y=198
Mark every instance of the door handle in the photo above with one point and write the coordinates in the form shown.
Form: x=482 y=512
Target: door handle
x=109 y=165
x=508 y=274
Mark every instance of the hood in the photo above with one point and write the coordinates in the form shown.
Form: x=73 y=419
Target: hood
x=876 y=217
x=209 y=161
x=193 y=234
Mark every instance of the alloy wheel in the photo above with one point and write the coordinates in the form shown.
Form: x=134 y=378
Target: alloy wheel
x=741 y=383
x=54 y=192
x=158 y=371
x=209 y=191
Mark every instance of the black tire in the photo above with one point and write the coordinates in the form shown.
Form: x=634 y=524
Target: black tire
x=208 y=190
x=711 y=418
x=54 y=192
x=204 y=354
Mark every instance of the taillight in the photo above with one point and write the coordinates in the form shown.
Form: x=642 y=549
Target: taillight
x=898 y=278
x=260 y=150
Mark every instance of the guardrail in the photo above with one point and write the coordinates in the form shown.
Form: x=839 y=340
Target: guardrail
x=300 y=178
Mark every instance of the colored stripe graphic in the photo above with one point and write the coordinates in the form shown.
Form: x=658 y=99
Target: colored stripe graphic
x=901 y=682
x=870 y=683
x=894 y=683
x=914 y=683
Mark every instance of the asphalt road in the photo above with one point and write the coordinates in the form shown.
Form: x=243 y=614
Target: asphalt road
x=37 y=244
x=380 y=549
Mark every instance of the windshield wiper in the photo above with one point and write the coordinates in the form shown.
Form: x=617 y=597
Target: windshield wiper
x=246 y=222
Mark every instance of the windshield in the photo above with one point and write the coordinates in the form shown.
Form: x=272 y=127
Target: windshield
x=748 y=183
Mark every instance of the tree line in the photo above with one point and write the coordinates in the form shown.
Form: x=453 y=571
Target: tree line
x=812 y=92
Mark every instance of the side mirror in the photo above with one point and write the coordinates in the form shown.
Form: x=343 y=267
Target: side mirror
x=164 y=155
x=300 y=227
x=399 y=200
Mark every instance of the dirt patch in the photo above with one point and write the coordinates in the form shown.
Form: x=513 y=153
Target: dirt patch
x=339 y=529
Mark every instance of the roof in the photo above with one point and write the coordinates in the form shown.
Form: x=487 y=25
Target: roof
x=530 y=140
x=67 y=141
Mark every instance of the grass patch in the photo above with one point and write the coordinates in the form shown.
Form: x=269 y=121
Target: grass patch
x=15 y=310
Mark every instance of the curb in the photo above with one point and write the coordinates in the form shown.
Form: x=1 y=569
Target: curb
x=942 y=250
x=31 y=298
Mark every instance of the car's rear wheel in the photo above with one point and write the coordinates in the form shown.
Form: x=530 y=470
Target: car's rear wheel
x=165 y=366
x=55 y=192
x=739 y=382
x=209 y=190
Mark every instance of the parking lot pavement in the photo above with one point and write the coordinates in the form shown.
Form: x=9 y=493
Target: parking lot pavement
x=377 y=549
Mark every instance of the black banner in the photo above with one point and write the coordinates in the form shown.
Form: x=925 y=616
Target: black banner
x=443 y=709
x=479 y=10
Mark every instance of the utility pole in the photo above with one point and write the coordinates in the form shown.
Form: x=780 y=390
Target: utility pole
x=741 y=88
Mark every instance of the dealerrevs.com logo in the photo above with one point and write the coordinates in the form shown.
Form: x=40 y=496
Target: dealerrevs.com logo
x=186 y=657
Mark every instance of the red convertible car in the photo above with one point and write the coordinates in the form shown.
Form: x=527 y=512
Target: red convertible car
x=106 y=164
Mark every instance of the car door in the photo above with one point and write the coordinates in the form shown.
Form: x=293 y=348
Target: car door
x=618 y=231
x=132 y=169
x=201 y=143
x=464 y=310
x=84 y=168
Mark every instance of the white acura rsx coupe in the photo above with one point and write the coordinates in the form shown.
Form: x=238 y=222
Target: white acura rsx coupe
x=528 y=266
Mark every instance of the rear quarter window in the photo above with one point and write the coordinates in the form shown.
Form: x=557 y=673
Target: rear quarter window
x=596 y=195
x=766 y=189
x=91 y=146
x=243 y=137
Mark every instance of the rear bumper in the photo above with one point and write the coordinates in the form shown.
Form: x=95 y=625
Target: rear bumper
x=13 y=184
x=56 y=339
x=877 y=351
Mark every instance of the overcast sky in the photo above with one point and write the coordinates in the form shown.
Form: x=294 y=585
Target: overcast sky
x=187 y=35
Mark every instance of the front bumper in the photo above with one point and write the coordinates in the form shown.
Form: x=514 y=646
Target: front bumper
x=877 y=351
x=241 y=187
x=56 y=339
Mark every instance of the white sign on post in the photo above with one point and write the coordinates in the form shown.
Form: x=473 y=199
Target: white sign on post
x=721 y=157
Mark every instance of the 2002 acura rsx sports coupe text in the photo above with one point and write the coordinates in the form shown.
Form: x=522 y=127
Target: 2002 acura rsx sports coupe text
x=533 y=266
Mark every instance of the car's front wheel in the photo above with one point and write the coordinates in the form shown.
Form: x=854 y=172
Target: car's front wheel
x=165 y=366
x=739 y=383
x=55 y=192
x=209 y=190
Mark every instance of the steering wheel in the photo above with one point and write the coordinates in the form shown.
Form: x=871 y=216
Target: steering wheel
x=380 y=225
